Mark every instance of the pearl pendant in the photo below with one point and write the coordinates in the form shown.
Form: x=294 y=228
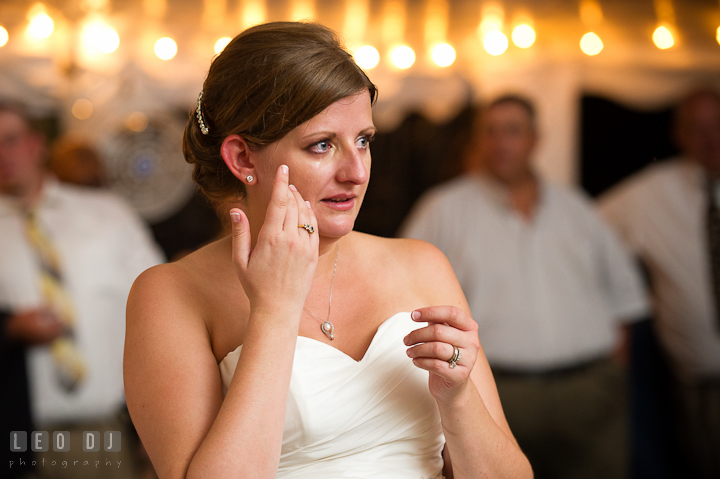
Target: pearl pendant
x=328 y=328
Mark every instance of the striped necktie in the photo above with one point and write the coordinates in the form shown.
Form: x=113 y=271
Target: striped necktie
x=713 y=229
x=69 y=362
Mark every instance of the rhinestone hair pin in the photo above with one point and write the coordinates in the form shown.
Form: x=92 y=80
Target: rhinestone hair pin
x=198 y=112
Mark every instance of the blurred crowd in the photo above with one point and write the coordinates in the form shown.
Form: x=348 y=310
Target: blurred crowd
x=561 y=286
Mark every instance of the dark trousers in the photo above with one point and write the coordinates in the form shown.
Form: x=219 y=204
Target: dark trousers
x=572 y=423
x=697 y=418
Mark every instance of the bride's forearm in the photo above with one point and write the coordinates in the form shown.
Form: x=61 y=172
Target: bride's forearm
x=477 y=446
x=246 y=438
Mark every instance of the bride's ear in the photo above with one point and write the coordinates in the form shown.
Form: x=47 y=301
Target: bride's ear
x=235 y=153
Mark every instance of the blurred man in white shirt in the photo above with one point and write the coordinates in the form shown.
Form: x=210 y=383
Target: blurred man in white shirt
x=668 y=215
x=549 y=286
x=99 y=246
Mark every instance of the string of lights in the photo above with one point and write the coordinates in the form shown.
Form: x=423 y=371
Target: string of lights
x=97 y=34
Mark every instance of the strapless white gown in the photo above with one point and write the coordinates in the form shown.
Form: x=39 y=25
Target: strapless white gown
x=373 y=418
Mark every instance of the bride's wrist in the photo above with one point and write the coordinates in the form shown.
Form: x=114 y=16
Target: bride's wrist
x=273 y=313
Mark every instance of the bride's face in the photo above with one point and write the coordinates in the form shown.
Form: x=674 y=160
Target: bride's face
x=329 y=161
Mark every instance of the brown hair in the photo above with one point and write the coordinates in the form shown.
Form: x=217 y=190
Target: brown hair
x=268 y=80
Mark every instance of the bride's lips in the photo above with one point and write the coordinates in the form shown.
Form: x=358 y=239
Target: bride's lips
x=342 y=202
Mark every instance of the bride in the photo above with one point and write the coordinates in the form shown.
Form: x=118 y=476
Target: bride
x=296 y=347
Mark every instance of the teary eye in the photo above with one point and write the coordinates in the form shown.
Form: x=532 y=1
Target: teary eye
x=364 y=141
x=320 y=147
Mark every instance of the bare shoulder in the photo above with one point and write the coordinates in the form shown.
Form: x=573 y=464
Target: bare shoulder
x=403 y=251
x=418 y=264
x=171 y=288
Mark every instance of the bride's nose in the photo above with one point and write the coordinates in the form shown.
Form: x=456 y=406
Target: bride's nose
x=353 y=167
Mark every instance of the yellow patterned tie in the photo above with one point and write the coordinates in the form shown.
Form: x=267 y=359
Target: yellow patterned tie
x=69 y=362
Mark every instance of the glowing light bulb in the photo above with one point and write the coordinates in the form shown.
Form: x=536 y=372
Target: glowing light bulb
x=82 y=109
x=99 y=36
x=663 y=37
x=591 y=44
x=4 y=37
x=402 y=57
x=367 y=57
x=221 y=44
x=165 y=48
x=523 y=36
x=443 y=54
x=41 y=25
x=717 y=35
x=495 y=43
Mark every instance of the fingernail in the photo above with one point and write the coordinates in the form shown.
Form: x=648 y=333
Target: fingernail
x=415 y=315
x=406 y=340
x=292 y=187
x=235 y=217
x=284 y=169
x=308 y=204
x=407 y=352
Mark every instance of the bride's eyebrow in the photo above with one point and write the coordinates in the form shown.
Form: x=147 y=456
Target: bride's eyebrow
x=324 y=134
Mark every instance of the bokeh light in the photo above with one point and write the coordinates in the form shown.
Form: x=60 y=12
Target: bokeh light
x=165 y=48
x=493 y=18
x=136 y=121
x=443 y=54
x=101 y=37
x=591 y=44
x=402 y=57
x=82 y=109
x=523 y=36
x=663 y=37
x=4 y=37
x=717 y=35
x=41 y=25
x=495 y=43
x=367 y=57
x=221 y=44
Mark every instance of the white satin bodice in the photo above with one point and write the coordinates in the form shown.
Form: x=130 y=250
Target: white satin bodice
x=373 y=418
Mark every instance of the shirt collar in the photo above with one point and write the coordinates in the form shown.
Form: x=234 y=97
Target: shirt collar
x=499 y=194
x=50 y=197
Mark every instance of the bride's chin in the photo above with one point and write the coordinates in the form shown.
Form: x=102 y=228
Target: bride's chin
x=336 y=229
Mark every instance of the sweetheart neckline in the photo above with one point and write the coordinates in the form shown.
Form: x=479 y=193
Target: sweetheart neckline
x=372 y=341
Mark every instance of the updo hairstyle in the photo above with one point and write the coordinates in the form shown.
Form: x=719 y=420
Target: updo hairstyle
x=268 y=80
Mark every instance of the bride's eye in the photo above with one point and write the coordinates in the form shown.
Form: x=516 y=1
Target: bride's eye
x=364 y=141
x=320 y=147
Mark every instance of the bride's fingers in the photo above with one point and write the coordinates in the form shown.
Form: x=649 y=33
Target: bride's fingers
x=275 y=215
x=312 y=219
x=302 y=209
x=442 y=368
x=241 y=238
x=434 y=350
x=290 y=223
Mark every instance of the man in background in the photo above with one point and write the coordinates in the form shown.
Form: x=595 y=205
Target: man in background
x=669 y=216
x=68 y=256
x=549 y=286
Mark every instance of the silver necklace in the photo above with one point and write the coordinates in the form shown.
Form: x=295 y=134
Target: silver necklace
x=327 y=326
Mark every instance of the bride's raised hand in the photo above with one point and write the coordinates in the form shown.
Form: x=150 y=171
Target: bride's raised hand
x=277 y=273
x=433 y=346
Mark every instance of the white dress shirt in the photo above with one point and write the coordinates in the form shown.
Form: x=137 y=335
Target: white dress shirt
x=103 y=246
x=546 y=293
x=661 y=214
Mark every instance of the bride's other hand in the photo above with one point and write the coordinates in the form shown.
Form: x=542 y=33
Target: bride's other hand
x=432 y=347
x=278 y=271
